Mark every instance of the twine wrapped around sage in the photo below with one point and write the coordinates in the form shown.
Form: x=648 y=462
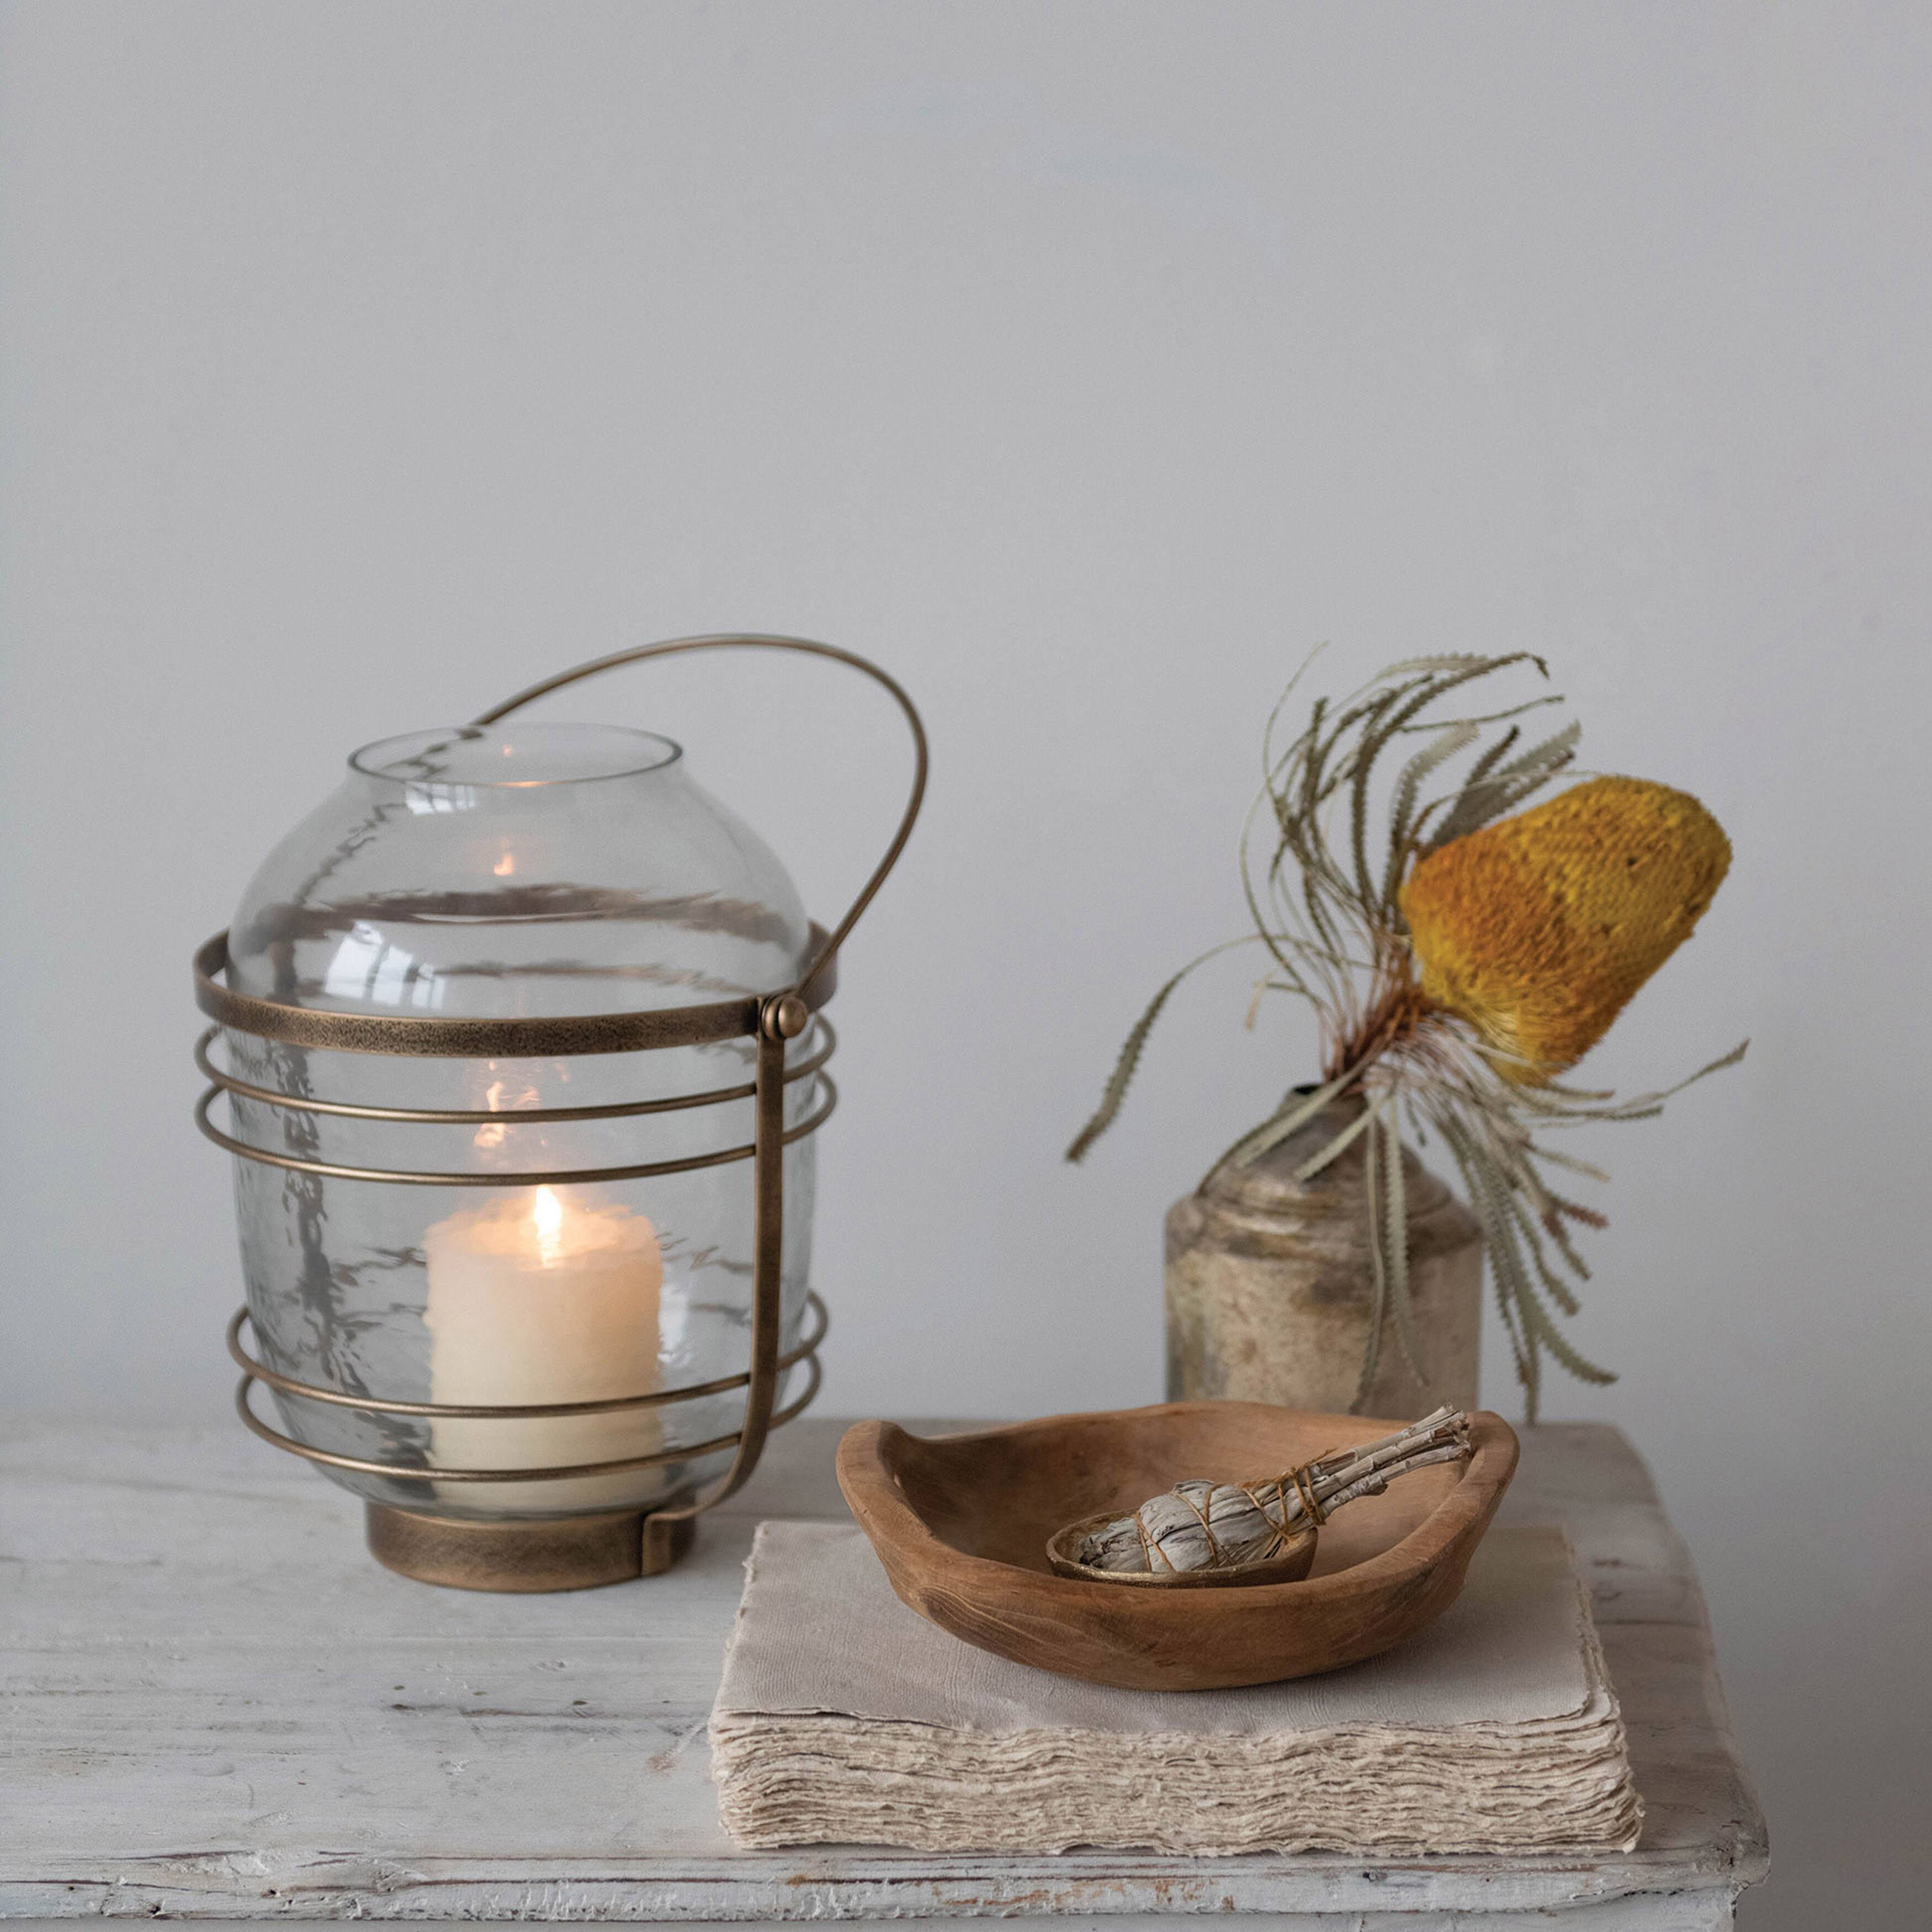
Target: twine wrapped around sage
x=1198 y=1524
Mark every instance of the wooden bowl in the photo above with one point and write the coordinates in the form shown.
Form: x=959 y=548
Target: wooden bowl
x=961 y=1524
x=1287 y=1566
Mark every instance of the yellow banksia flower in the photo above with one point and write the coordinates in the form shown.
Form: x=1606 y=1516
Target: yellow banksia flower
x=1537 y=929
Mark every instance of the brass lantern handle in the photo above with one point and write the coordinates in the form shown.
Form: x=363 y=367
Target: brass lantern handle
x=727 y=640
x=667 y=1530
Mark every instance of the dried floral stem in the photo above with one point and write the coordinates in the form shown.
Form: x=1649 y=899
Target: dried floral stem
x=1330 y=914
x=1399 y=1010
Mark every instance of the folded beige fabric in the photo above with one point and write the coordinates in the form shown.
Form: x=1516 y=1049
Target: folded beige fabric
x=845 y=1718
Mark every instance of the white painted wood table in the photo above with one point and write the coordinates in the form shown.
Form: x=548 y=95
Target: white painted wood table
x=217 y=1706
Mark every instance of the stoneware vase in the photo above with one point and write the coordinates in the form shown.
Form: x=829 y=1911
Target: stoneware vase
x=1270 y=1286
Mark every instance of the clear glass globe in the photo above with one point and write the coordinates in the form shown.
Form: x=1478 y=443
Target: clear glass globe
x=522 y=869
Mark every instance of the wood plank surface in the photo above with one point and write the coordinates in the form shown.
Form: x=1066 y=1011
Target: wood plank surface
x=216 y=1705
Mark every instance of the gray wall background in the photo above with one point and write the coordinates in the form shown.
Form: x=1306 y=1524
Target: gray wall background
x=1086 y=364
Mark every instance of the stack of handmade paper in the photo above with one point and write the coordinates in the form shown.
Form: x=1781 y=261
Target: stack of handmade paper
x=845 y=1717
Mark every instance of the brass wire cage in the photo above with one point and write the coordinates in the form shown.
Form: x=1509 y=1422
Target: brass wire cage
x=571 y=1551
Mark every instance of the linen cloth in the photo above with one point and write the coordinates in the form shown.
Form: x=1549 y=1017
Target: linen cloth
x=844 y=1716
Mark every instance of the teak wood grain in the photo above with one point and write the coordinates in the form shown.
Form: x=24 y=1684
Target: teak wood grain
x=961 y=1524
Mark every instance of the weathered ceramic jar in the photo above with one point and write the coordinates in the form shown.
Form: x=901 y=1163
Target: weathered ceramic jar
x=1270 y=1285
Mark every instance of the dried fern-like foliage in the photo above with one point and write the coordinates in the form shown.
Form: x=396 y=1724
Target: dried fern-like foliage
x=1457 y=962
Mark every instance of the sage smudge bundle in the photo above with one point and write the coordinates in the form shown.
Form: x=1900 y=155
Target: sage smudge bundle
x=1202 y=1525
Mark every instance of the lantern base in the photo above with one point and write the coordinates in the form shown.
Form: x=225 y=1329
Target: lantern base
x=576 y=1553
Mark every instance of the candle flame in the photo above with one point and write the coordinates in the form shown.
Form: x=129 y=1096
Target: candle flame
x=547 y=1215
x=506 y=865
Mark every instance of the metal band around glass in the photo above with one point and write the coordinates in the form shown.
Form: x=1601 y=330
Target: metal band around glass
x=545 y=1177
x=409 y=1473
x=522 y=1117
x=260 y=1372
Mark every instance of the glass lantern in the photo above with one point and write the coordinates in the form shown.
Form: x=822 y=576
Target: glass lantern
x=519 y=1034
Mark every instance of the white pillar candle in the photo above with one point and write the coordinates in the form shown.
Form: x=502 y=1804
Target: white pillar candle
x=539 y=1300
